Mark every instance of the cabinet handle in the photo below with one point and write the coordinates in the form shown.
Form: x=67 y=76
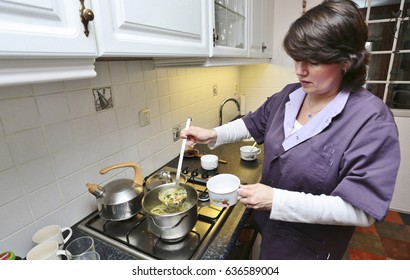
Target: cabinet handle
x=263 y=47
x=215 y=37
x=86 y=16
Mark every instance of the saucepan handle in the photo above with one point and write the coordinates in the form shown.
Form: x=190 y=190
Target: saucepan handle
x=167 y=227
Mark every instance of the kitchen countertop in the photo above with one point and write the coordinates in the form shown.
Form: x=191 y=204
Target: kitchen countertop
x=249 y=172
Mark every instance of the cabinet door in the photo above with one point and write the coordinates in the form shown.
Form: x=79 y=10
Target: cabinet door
x=230 y=30
x=38 y=36
x=151 y=27
x=38 y=28
x=261 y=28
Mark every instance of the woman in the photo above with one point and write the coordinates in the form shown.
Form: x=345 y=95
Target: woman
x=331 y=151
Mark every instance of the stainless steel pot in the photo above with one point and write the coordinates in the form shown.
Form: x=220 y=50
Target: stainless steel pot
x=175 y=226
x=119 y=199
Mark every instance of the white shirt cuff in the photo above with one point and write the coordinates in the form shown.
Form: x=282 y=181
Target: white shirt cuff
x=316 y=209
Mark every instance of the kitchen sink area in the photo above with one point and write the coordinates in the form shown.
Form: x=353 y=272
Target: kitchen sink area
x=217 y=230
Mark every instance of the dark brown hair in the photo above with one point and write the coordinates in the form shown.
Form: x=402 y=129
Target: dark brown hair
x=331 y=32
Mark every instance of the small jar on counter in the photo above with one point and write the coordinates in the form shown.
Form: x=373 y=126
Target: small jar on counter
x=9 y=255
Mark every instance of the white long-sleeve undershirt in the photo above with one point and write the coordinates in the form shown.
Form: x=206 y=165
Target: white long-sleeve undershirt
x=294 y=206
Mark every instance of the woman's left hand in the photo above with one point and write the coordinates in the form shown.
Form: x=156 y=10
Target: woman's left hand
x=256 y=196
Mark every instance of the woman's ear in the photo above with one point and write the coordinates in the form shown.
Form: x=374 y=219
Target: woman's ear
x=346 y=65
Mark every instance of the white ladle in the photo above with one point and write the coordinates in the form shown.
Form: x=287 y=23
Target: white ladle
x=181 y=155
x=175 y=196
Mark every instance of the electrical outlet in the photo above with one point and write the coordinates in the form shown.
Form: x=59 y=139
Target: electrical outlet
x=235 y=88
x=215 y=90
x=176 y=131
x=145 y=117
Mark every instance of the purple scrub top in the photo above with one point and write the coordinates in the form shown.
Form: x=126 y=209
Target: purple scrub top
x=354 y=154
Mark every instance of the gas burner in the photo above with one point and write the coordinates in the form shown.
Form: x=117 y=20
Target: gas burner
x=204 y=196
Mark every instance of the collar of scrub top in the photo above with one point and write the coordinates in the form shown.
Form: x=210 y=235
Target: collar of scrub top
x=316 y=124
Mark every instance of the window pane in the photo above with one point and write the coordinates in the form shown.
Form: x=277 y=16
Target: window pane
x=406 y=9
x=401 y=67
x=383 y=11
x=376 y=89
x=398 y=96
x=381 y=35
x=379 y=66
x=403 y=42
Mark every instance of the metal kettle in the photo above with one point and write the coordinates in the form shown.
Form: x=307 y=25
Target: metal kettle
x=119 y=199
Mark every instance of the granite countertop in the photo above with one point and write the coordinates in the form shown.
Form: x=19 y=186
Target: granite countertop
x=248 y=171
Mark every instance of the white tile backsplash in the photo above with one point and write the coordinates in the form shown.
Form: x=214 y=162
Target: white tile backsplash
x=27 y=145
x=10 y=186
x=52 y=142
x=14 y=216
x=36 y=174
x=50 y=194
x=60 y=136
x=5 y=156
x=134 y=69
x=72 y=186
x=107 y=121
x=19 y=114
x=85 y=128
x=118 y=72
x=53 y=108
x=124 y=116
x=66 y=161
x=121 y=95
x=81 y=102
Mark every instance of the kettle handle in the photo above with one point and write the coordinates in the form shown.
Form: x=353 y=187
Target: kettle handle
x=138 y=177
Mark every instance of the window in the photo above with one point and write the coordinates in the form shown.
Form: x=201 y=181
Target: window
x=389 y=45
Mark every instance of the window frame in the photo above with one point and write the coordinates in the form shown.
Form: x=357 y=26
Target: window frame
x=392 y=52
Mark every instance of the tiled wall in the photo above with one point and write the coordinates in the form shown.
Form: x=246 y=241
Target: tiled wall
x=260 y=81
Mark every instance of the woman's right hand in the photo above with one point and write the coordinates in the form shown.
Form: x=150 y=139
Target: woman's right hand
x=198 y=135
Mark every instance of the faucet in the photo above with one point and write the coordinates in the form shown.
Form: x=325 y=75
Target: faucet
x=223 y=104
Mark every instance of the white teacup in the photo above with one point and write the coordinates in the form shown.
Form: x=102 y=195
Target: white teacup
x=52 y=232
x=209 y=162
x=223 y=189
x=47 y=250
x=249 y=152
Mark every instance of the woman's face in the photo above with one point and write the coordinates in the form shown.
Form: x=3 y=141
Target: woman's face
x=319 y=79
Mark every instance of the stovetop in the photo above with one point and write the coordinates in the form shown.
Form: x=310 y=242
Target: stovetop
x=134 y=236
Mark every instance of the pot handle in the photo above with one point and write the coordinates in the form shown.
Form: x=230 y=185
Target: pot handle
x=167 y=227
x=138 y=177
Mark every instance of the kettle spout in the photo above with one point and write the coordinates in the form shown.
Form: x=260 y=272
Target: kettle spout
x=95 y=189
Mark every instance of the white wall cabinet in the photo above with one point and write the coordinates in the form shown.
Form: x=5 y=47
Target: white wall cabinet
x=242 y=28
x=43 y=41
x=229 y=28
x=261 y=28
x=151 y=28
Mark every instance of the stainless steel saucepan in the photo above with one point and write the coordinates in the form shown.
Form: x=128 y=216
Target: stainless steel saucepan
x=175 y=225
